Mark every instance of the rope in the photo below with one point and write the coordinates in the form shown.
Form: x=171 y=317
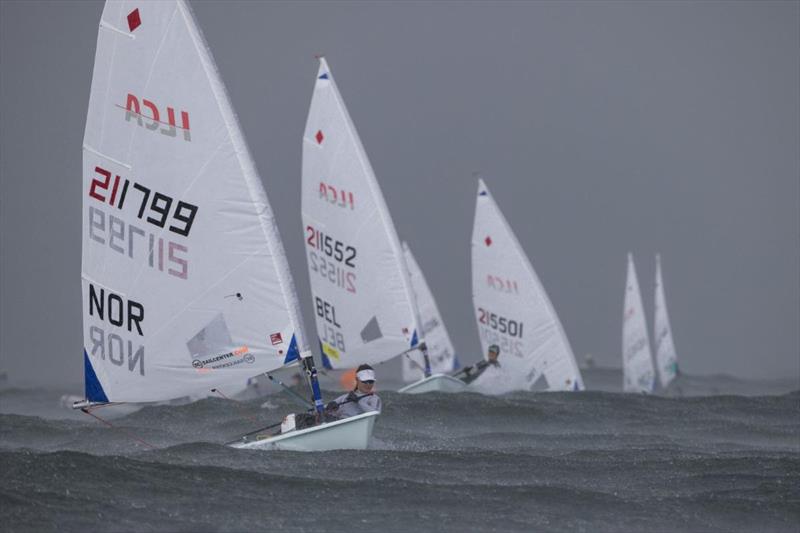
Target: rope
x=238 y=405
x=109 y=424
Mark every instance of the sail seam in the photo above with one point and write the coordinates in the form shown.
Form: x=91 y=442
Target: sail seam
x=106 y=26
x=105 y=156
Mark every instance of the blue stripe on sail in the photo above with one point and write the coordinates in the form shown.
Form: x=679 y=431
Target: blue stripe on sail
x=325 y=361
x=414 y=339
x=293 y=353
x=92 y=388
x=456 y=363
x=483 y=193
x=324 y=76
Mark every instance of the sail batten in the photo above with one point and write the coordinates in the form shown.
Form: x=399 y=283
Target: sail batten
x=365 y=312
x=186 y=286
x=513 y=310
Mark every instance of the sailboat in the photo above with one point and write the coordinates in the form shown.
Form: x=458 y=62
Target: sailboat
x=365 y=309
x=513 y=311
x=637 y=360
x=185 y=284
x=440 y=348
x=666 y=358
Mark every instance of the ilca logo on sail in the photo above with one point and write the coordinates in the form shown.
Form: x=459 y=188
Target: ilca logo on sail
x=148 y=115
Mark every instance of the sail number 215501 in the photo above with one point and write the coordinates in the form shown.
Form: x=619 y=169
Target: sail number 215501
x=499 y=323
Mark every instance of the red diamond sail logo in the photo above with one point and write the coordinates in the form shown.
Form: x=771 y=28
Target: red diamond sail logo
x=488 y=241
x=319 y=136
x=134 y=20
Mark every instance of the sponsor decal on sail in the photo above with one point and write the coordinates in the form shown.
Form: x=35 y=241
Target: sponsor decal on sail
x=330 y=351
x=225 y=360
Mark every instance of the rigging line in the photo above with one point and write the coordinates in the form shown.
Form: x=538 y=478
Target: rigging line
x=305 y=403
x=109 y=424
x=238 y=405
x=254 y=432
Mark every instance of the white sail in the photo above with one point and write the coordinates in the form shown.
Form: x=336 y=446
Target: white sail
x=637 y=361
x=362 y=297
x=440 y=349
x=513 y=310
x=185 y=282
x=666 y=358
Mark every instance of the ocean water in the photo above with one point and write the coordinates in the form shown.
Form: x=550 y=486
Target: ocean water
x=718 y=455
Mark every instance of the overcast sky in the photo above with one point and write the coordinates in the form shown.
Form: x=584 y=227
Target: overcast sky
x=600 y=127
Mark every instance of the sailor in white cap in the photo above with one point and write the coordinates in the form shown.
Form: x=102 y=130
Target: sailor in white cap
x=361 y=399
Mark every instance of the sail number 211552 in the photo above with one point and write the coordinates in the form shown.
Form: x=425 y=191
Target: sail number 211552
x=339 y=268
x=331 y=247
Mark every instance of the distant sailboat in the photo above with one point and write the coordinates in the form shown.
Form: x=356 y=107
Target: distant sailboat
x=666 y=358
x=440 y=347
x=186 y=286
x=513 y=310
x=637 y=360
x=364 y=305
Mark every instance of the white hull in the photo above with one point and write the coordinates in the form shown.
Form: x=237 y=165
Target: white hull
x=349 y=434
x=435 y=383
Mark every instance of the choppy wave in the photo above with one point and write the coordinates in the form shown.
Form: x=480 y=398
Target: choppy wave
x=593 y=461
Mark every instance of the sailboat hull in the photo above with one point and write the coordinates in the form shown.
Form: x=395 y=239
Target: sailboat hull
x=435 y=383
x=349 y=434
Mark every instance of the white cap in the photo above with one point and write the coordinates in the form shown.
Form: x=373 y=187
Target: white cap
x=366 y=375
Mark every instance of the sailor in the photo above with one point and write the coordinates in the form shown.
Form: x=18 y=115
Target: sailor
x=361 y=399
x=471 y=373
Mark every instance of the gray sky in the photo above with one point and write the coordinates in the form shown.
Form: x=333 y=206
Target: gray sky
x=600 y=128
